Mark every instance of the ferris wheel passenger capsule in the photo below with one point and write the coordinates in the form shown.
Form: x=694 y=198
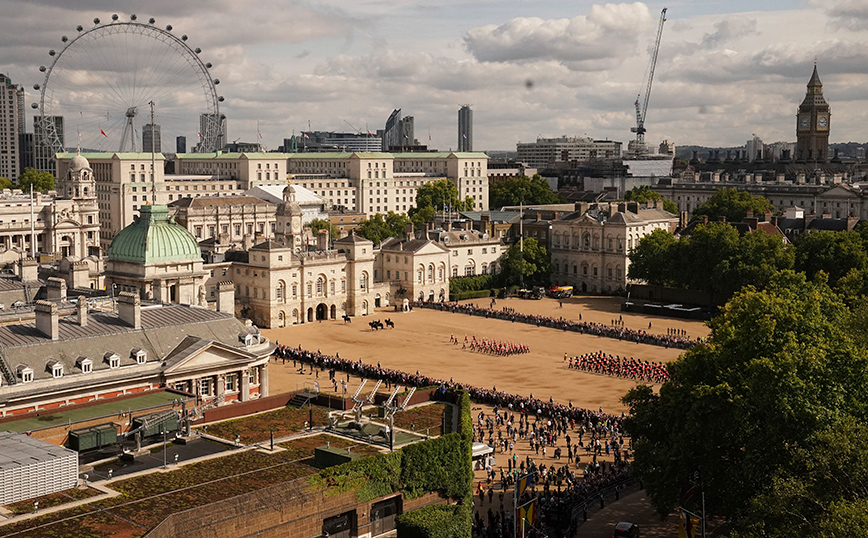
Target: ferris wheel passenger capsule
x=169 y=28
x=79 y=28
x=114 y=16
x=133 y=17
x=64 y=39
x=42 y=69
x=197 y=50
x=152 y=20
x=51 y=52
x=96 y=20
x=34 y=106
x=36 y=87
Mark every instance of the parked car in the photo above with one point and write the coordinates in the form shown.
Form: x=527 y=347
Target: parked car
x=625 y=529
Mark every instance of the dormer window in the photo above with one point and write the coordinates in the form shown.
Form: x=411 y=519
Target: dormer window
x=25 y=373
x=247 y=338
x=140 y=355
x=84 y=364
x=55 y=368
x=112 y=359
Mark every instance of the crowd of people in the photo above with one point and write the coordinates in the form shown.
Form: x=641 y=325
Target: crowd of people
x=559 y=486
x=598 y=329
x=615 y=365
x=490 y=346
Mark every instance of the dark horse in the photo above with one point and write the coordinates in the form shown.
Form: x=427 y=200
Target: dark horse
x=348 y=319
x=376 y=325
x=390 y=323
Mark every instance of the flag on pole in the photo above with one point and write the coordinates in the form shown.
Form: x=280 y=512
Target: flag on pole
x=370 y=133
x=522 y=484
x=200 y=135
x=527 y=513
x=257 y=130
x=686 y=524
x=305 y=135
x=103 y=133
x=464 y=135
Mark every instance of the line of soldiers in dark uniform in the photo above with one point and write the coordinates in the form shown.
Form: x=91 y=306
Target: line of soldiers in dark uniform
x=585 y=327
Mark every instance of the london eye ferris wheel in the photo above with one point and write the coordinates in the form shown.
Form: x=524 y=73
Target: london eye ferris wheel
x=105 y=80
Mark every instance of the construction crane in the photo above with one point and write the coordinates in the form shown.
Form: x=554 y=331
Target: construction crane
x=357 y=131
x=638 y=146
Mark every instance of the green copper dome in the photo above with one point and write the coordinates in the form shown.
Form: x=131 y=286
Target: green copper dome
x=154 y=237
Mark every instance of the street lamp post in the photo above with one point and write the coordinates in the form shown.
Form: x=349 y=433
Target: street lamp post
x=165 y=465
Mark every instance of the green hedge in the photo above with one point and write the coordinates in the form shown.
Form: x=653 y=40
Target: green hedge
x=469 y=283
x=470 y=295
x=436 y=521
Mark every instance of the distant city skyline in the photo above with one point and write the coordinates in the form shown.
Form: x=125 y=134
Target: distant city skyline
x=547 y=68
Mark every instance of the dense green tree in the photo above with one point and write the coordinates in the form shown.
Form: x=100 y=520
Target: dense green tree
x=654 y=259
x=530 y=267
x=714 y=259
x=324 y=224
x=521 y=190
x=732 y=204
x=823 y=494
x=5 y=184
x=41 y=181
x=834 y=253
x=439 y=195
x=381 y=227
x=420 y=216
x=779 y=367
x=643 y=194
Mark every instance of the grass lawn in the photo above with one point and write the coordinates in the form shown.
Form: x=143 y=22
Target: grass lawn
x=53 y=418
x=421 y=418
x=257 y=428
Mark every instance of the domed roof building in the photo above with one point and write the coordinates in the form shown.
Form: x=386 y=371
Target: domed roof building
x=157 y=259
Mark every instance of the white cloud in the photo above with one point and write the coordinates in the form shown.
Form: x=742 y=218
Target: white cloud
x=589 y=42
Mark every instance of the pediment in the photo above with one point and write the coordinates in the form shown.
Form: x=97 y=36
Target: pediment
x=198 y=354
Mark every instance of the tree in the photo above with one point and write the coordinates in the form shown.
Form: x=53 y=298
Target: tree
x=778 y=368
x=5 y=183
x=41 y=181
x=324 y=224
x=733 y=205
x=529 y=268
x=714 y=259
x=521 y=190
x=439 y=195
x=421 y=216
x=381 y=227
x=653 y=260
x=643 y=194
x=835 y=253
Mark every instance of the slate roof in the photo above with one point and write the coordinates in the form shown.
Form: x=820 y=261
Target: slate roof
x=163 y=329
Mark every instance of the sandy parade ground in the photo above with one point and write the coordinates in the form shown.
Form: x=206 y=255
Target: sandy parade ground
x=420 y=341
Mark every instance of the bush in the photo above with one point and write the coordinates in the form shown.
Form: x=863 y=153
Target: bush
x=436 y=521
x=470 y=295
x=469 y=283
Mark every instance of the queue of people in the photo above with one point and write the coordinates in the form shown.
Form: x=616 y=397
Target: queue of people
x=490 y=346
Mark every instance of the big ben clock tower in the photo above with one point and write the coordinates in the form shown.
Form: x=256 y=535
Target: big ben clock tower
x=812 y=123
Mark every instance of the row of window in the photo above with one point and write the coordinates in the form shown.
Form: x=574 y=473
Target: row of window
x=84 y=364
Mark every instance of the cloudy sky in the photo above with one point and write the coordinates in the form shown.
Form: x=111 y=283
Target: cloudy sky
x=527 y=67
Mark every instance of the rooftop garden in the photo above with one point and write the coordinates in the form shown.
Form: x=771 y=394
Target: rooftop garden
x=257 y=428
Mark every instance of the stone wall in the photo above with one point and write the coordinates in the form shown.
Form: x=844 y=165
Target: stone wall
x=289 y=509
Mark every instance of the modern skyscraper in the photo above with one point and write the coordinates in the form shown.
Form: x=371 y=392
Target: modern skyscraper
x=180 y=144
x=152 y=139
x=48 y=140
x=812 y=123
x=12 y=124
x=465 y=128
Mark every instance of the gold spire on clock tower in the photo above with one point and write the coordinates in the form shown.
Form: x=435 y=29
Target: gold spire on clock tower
x=812 y=123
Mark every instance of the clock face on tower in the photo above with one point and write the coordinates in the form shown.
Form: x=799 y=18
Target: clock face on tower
x=822 y=122
x=804 y=122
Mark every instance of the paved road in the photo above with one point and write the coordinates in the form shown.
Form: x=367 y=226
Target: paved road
x=634 y=508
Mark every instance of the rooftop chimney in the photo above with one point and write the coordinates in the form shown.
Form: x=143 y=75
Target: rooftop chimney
x=55 y=289
x=81 y=310
x=322 y=240
x=130 y=309
x=47 y=319
x=408 y=231
x=29 y=269
x=226 y=297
